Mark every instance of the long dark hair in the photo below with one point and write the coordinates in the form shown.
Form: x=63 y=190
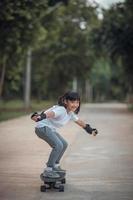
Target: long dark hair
x=71 y=96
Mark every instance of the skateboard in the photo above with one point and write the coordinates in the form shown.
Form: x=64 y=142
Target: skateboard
x=53 y=183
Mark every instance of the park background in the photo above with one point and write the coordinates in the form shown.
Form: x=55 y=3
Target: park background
x=46 y=48
x=50 y=47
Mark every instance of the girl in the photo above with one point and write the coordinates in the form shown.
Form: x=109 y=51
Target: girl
x=55 y=117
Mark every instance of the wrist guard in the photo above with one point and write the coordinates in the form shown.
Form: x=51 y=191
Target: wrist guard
x=91 y=130
x=41 y=116
x=88 y=129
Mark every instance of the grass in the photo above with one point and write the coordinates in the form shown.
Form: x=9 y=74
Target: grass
x=15 y=108
x=130 y=107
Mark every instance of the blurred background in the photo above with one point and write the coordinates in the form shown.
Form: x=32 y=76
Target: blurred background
x=48 y=47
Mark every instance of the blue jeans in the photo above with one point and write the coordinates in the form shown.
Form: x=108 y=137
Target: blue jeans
x=56 y=141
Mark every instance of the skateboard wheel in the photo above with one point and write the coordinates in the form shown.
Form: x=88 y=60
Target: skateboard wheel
x=61 y=188
x=63 y=181
x=43 y=188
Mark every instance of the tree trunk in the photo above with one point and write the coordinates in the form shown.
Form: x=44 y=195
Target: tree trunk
x=75 y=84
x=2 y=78
x=28 y=81
x=88 y=91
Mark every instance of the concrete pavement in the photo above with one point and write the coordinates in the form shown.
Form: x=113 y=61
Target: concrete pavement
x=98 y=168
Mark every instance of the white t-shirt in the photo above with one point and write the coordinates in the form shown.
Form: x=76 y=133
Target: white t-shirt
x=61 y=118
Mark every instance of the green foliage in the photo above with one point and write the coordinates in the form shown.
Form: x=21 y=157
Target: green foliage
x=54 y=2
x=100 y=79
x=20 y=27
x=15 y=108
x=115 y=38
x=66 y=41
x=65 y=50
x=19 y=23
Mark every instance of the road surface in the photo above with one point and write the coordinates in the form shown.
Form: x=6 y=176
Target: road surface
x=98 y=168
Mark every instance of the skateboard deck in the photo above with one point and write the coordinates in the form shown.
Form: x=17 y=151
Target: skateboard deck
x=53 y=183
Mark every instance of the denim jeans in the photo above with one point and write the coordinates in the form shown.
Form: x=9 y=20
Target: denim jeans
x=56 y=141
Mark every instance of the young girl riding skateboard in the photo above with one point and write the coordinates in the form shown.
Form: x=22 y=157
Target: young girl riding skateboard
x=55 y=117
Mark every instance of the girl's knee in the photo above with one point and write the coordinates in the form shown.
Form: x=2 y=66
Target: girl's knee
x=59 y=146
x=39 y=134
x=65 y=144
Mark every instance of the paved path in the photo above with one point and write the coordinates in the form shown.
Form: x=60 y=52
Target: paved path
x=98 y=168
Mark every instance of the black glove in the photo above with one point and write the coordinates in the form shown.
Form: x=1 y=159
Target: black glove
x=39 y=116
x=91 y=130
x=34 y=114
x=42 y=116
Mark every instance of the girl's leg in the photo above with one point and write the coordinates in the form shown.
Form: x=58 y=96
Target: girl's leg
x=54 y=141
x=65 y=144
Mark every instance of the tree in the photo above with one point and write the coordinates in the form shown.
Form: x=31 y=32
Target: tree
x=59 y=39
x=19 y=27
x=100 y=78
x=115 y=37
x=67 y=45
x=54 y=2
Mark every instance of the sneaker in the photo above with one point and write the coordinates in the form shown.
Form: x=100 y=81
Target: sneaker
x=51 y=174
x=59 y=170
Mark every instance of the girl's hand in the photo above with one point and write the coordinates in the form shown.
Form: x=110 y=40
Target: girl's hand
x=87 y=127
x=90 y=130
x=94 y=132
x=34 y=116
x=38 y=117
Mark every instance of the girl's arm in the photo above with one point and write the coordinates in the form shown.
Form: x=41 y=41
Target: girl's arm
x=38 y=117
x=49 y=114
x=80 y=123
